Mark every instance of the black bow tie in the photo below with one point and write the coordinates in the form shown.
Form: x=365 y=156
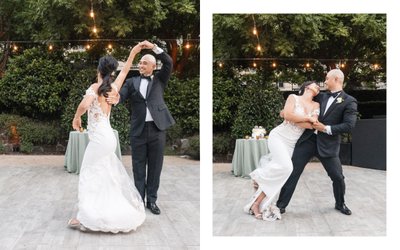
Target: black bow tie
x=146 y=77
x=334 y=94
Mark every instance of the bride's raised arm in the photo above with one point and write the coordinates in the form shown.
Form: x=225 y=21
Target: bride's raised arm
x=124 y=72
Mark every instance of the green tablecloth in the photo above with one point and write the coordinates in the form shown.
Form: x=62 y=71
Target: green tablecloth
x=76 y=149
x=247 y=155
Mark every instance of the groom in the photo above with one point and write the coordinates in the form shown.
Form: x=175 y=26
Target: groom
x=338 y=114
x=150 y=118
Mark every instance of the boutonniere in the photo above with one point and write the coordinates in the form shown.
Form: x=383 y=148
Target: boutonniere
x=339 y=100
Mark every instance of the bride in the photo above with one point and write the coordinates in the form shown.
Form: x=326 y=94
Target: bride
x=274 y=169
x=108 y=198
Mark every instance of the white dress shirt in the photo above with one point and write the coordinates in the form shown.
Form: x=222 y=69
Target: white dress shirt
x=328 y=104
x=144 y=83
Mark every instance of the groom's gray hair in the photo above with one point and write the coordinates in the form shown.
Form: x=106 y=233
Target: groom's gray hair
x=337 y=73
x=150 y=58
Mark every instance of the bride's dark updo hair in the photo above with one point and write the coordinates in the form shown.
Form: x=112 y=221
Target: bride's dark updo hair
x=303 y=87
x=107 y=65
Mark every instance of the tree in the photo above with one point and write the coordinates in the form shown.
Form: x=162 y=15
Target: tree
x=51 y=20
x=323 y=40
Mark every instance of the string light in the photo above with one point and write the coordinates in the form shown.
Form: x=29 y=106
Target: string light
x=376 y=66
x=15 y=47
x=187 y=45
x=220 y=64
x=256 y=34
x=91 y=14
x=342 y=65
x=110 y=46
x=50 y=47
x=87 y=46
x=273 y=65
x=254 y=64
x=307 y=65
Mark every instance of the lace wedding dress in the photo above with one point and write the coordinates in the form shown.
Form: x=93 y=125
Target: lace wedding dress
x=275 y=168
x=108 y=198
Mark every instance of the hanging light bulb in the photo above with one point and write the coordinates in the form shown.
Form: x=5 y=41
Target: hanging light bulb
x=254 y=31
x=273 y=65
x=94 y=29
x=110 y=46
x=259 y=47
x=254 y=64
x=220 y=64
x=91 y=13
x=307 y=65
x=376 y=66
x=342 y=65
x=187 y=46
x=15 y=47
x=87 y=46
x=50 y=47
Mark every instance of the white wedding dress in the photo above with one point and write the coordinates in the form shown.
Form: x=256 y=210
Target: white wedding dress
x=108 y=198
x=275 y=168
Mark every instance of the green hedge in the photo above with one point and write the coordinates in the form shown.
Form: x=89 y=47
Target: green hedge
x=182 y=98
x=227 y=92
x=241 y=102
x=49 y=86
x=32 y=132
x=35 y=84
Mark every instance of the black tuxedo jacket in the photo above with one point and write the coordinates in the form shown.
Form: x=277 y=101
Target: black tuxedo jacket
x=154 y=100
x=341 y=116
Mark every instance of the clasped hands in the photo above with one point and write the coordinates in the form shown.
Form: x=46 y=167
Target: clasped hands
x=317 y=124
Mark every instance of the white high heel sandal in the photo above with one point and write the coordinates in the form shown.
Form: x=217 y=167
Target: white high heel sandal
x=78 y=226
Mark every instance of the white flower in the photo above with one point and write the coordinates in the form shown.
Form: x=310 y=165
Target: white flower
x=339 y=100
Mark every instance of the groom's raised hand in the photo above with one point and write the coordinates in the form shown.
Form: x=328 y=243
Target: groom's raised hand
x=147 y=45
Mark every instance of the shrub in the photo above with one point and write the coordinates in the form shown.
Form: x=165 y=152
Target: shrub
x=260 y=105
x=35 y=84
x=223 y=143
x=182 y=98
x=174 y=134
x=194 y=147
x=31 y=132
x=226 y=97
x=2 y=148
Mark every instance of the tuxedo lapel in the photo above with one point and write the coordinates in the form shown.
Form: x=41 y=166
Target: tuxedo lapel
x=323 y=104
x=149 y=87
x=334 y=104
x=136 y=85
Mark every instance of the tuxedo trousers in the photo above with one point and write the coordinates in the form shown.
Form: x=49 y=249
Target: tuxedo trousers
x=302 y=154
x=147 y=160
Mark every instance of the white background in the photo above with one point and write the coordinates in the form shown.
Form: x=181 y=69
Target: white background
x=209 y=7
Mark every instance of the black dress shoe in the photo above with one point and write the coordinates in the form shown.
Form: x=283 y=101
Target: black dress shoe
x=282 y=210
x=153 y=207
x=343 y=209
